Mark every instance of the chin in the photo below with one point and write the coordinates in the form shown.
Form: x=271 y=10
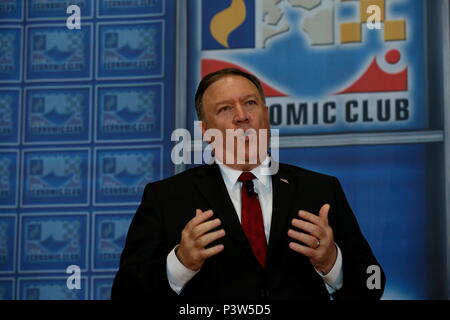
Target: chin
x=250 y=159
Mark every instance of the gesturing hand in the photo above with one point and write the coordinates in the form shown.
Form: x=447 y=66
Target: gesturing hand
x=195 y=237
x=319 y=239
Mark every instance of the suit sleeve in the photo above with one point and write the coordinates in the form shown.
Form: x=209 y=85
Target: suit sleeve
x=357 y=255
x=142 y=272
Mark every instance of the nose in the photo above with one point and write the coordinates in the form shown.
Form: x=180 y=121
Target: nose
x=241 y=115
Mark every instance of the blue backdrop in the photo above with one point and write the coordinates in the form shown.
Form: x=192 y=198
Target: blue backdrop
x=85 y=122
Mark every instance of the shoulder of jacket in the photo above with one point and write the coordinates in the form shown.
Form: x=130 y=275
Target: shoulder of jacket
x=178 y=178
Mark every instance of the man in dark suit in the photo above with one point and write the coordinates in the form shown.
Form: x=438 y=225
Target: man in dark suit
x=231 y=231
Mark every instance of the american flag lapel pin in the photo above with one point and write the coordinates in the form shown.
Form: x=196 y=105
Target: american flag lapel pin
x=284 y=180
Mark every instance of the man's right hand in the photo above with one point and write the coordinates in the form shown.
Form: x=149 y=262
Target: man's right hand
x=195 y=237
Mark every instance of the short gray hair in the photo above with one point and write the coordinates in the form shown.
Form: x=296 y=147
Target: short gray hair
x=210 y=78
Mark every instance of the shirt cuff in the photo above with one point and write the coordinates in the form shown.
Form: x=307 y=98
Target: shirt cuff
x=177 y=274
x=334 y=279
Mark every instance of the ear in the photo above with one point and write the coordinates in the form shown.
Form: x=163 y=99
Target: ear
x=266 y=116
x=203 y=126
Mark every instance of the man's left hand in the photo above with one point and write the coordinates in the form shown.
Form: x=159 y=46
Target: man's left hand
x=317 y=240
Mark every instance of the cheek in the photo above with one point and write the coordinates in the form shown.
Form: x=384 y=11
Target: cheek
x=215 y=127
x=263 y=120
x=266 y=115
x=221 y=123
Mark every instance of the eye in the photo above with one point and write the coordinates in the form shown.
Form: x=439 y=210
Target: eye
x=223 y=109
x=251 y=102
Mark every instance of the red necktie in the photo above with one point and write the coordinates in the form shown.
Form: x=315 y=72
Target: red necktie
x=251 y=219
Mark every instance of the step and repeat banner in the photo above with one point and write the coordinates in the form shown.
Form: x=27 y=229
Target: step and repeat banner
x=85 y=121
x=343 y=66
x=86 y=117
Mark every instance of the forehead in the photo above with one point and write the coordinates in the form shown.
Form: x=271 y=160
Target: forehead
x=230 y=86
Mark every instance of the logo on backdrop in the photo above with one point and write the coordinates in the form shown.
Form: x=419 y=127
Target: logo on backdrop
x=11 y=10
x=6 y=123
x=102 y=288
x=4 y=250
x=54 y=178
x=10 y=54
x=343 y=89
x=109 y=239
x=58 y=53
x=7 y=243
x=130 y=112
x=55 y=115
x=7 y=52
x=8 y=179
x=5 y=173
x=123 y=174
x=50 y=243
x=134 y=8
x=131 y=51
x=53 y=9
x=9 y=116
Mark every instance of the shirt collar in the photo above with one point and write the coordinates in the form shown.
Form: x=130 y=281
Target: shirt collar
x=230 y=175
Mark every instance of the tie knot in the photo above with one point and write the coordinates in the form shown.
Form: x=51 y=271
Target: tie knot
x=246 y=176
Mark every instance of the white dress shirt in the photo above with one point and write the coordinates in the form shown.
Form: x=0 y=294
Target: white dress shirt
x=178 y=275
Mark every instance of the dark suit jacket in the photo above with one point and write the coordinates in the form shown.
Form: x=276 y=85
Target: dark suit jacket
x=168 y=205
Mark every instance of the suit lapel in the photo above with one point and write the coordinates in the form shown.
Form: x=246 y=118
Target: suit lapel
x=284 y=184
x=210 y=184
